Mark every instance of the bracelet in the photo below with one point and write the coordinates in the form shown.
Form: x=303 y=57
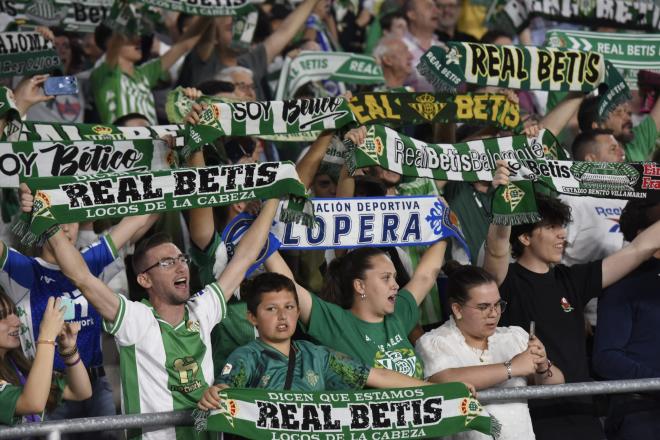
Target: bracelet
x=548 y=370
x=509 y=370
x=46 y=341
x=69 y=354
x=73 y=363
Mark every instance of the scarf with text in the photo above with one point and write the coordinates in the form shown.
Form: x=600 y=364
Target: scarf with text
x=347 y=223
x=70 y=15
x=71 y=199
x=629 y=53
x=209 y=8
x=22 y=160
x=266 y=118
x=525 y=68
x=531 y=161
x=430 y=411
x=26 y=54
x=335 y=66
x=643 y=15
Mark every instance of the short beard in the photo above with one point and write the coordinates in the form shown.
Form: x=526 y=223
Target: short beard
x=626 y=137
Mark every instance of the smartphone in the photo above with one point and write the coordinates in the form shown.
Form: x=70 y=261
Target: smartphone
x=61 y=85
x=69 y=308
x=532 y=329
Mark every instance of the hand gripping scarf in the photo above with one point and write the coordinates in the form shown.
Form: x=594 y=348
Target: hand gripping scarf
x=643 y=15
x=530 y=160
x=26 y=54
x=430 y=411
x=525 y=68
x=629 y=53
x=79 y=198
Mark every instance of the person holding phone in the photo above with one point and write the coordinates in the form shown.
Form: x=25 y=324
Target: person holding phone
x=27 y=388
x=471 y=348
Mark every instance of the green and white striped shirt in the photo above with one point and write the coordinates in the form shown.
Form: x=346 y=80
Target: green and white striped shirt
x=165 y=367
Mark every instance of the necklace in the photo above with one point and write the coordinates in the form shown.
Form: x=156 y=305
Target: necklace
x=479 y=355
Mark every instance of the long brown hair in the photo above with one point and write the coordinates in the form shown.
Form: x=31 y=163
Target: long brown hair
x=16 y=357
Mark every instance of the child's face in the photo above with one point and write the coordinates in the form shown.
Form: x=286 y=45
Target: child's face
x=277 y=315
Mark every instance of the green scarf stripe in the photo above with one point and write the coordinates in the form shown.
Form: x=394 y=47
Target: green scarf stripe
x=629 y=53
x=516 y=14
x=431 y=411
x=70 y=15
x=27 y=159
x=26 y=54
x=72 y=199
x=525 y=68
x=214 y=9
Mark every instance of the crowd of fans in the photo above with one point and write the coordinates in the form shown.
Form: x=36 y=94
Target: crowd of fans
x=406 y=309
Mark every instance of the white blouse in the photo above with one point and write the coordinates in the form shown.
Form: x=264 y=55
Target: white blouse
x=445 y=347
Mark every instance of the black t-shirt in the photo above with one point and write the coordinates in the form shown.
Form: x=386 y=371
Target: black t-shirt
x=556 y=301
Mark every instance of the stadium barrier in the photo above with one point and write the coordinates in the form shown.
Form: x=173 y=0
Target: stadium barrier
x=53 y=429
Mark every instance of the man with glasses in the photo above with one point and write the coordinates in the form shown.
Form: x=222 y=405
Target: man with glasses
x=450 y=12
x=164 y=342
x=243 y=81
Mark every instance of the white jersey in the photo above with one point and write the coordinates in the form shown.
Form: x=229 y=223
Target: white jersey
x=165 y=367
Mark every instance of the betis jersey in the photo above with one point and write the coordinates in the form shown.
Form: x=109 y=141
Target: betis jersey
x=29 y=282
x=165 y=367
x=317 y=368
x=379 y=344
x=117 y=94
x=9 y=395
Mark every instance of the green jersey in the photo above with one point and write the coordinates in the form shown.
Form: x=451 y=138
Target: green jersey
x=9 y=395
x=235 y=330
x=380 y=344
x=165 y=367
x=117 y=94
x=641 y=148
x=316 y=368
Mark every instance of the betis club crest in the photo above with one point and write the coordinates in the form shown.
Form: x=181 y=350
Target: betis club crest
x=427 y=107
x=513 y=195
x=228 y=408
x=470 y=408
x=565 y=305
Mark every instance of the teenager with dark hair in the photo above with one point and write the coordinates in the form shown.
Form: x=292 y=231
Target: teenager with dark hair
x=264 y=363
x=470 y=347
x=28 y=388
x=540 y=289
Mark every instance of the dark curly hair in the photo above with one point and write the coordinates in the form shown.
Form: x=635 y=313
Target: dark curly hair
x=553 y=212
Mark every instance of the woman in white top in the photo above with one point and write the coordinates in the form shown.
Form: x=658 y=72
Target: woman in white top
x=471 y=348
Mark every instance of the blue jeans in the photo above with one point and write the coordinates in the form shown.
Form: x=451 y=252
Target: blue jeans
x=100 y=404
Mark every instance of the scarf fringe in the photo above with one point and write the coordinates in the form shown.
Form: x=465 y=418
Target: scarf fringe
x=436 y=81
x=515 y=219
x=21 y=227
x=200 y=419
x=495 y=427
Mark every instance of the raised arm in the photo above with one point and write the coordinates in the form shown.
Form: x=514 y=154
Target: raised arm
x=624 y=261
x=74 y=267
x=279 y=39
x=188 y=40
x=309 y=164
x=427 y=271
x=130 y=229
x=248 y=249
x=276 y=264
x=497 y=255
x=558 y=117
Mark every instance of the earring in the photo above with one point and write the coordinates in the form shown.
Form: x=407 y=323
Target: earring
x=363 y=296
x=459 y=317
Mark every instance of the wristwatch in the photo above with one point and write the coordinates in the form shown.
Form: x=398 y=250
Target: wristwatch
x=509 y=371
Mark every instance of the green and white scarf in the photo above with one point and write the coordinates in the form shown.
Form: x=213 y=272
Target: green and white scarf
x=431 y=411
x=629 y=53
x=525 y=68
x=8 y=111
x=530 y=160
x=209 y=8
x=70 y=15
x=71 y=199
x=26 y=54
x=623 y=14
x=243 y=26
x=21 y=160
x=336 y=66
x=396 y=109
x=266 y=118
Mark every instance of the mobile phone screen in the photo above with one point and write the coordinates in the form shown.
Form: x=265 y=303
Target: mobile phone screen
x=532 y=329
x=70 y=309
x=61 y=85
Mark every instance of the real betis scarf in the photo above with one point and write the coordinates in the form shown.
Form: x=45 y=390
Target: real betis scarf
x=347 y=223
x=71 y=15
x=266 y=118
x=629 y=53
x=431 y=411
x=26 y=54
x=336 y=66
x=21 y=160
x=8 y=111
x=420 y=108
x=623 y=14
x=243 y=26
x=525 y=68
x=209 y=7
x=77 y=198
x=530 y=160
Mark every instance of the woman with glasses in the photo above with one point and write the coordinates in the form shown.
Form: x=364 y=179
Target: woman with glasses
x=471 y=348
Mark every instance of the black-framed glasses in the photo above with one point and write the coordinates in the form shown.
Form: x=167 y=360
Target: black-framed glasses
x=168 y=262
x=485 y=309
